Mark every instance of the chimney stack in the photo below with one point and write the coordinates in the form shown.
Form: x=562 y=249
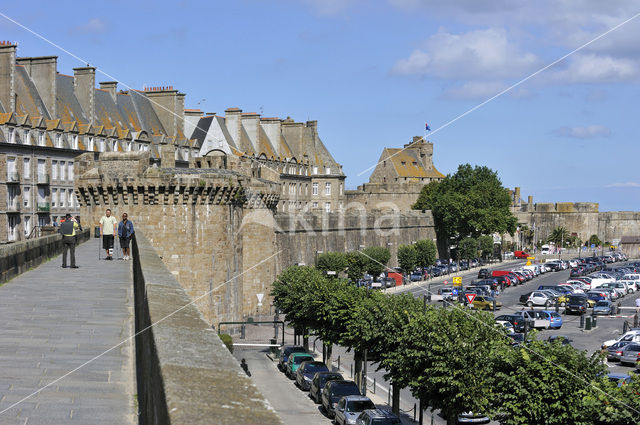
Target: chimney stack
x=168 y=104
x=84 y=84
x=272 y=128
x=8 y=75
x=251 y=124
x=232 y=121
x=516 y=197
x=111 y=87
x=43 y=73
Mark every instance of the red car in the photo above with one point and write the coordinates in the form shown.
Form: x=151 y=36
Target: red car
x=520 y=254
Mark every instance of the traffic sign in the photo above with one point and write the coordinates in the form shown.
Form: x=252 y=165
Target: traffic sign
x=531 y=258
x=259 y=296
x=593 y=245
x=457 y=280
x=470 y=297
x=446 y=283
x=454 y=292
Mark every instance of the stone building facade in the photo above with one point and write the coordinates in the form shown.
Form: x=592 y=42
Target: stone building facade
x=398 y=178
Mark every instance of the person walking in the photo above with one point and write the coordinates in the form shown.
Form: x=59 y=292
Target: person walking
x=68 y=230
x=125 y=233
x=108 y=225
x=638 y=305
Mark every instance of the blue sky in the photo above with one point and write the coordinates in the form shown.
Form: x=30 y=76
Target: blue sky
x=372 y=72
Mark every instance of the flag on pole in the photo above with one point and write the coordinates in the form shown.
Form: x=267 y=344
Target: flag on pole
x=426 y=127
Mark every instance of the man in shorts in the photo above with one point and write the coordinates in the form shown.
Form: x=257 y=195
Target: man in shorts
x=125 y=233
x=108 y=225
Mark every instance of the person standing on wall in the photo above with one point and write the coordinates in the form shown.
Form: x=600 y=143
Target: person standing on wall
x=108 y=225
x=125 y=233
x=68 y=229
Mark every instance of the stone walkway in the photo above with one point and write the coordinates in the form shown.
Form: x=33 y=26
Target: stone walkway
x=52 y=320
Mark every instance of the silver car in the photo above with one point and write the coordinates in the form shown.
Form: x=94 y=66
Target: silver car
x=350 y=407
x=630 y=354
x=615 y=351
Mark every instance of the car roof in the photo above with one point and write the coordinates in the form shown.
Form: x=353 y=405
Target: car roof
x=356 y=398
x=379 y=413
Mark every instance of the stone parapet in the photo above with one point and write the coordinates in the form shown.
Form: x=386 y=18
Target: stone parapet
x=185 y=374
x=19 y=257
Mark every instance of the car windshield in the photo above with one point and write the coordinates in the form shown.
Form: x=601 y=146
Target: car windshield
x=602 y=304
x=300 y=359
x=287 y=351
x=326 y=378
x=313 y=368
x=385 y=421
x=360 y=405
x=341 y=390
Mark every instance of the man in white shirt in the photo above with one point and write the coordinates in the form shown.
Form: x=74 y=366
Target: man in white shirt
x=108 y=224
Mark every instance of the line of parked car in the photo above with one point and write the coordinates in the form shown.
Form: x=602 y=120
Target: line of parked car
x=341 y=399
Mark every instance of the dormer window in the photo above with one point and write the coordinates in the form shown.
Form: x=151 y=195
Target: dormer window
x=74 y=141
x=12 y=135
x=404 y=163
x=41 y=138
x=90 y=144
x=58 y=140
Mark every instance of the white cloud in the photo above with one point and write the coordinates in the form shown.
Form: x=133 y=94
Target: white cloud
x=624 y=184
x=482 y=55
x=587 y=132
x=94 y=25
x=593 y=68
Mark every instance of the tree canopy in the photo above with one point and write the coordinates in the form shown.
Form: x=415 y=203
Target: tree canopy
x=377 y=259
x=332 y=261
x=407 y=257
x=426 y=252
x=471 y=202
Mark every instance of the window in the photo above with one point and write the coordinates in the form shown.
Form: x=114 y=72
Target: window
x=12 y=223
x=12 y=196
x=63 y=170
x=26 y=167
x=58 y=139
x=26 y=196
x=42 y=171
x=41 y=138
x=90 y=144
x=54 y=198
x=63 y=197
x=114 y=146
x=11 y=169
x=54 y=170
x=12 y=135
x=74 y=141
x=43 y=220
x=42 y=195
x=71 y=202
x=327 y=170
x=101 y=145
x=315 y=205
x=404 y=163
x=340 y=188
x=314 y=189
x=327 y=188
x=70 y=165
x=315 y=170
x=27 y=225
x=327 y=206
x=27 y=139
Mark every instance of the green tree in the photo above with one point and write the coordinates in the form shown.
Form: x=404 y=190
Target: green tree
x=424 y=199
x=594 y=240
x=446 y=356
x=559 y=236
x=377 y=259
x=332 y=261
x=468 y=248
x=545 y=383
x=356 y=265
x=470 y=202
x=407 y=257
x=426 y=252
x=486 y=245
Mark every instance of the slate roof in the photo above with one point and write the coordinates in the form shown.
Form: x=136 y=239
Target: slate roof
x=403 y=163
x=28 y=100
x=67 y=105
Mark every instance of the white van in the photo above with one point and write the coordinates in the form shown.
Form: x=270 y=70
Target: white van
x=534 y=268
x=599 y=281
x=631 y=276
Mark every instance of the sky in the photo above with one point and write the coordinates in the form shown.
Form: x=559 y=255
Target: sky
x=373 y=72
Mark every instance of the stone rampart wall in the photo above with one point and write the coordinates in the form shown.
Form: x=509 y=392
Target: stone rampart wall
x=185 y=374
x=18 y=257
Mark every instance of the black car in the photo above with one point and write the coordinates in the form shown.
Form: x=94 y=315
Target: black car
x=484 y=274
x=577 y=303
x=334 y=391
x=318 y=382
x=285 y=352
x=377 y=417
x=306 y=371
x=516 y=321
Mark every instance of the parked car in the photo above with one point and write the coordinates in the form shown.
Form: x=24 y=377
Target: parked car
x=285 y=352
x=518 y=338
x=520 y=254
x=619 y=378
x=306 y=372
x=515 y=320
x=334 y=391
x=473 y=418
x=630 y=354
x=604 y=307
x=483 y=273
x=319 y=381
x=615 y=351
x=350 y=407
x=447 y=293
x=562 y=339
x=416 y=276
x=534 y=318
x=555 y=319
x=577 y=303
x=294 y=362
x=536 y=298
x=631 y=336
x=377 y=417
x=482 y=302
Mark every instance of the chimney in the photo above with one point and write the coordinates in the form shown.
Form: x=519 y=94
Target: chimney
x=8 y=75
x=516 y=197
x=272 y=128
x=416 y=139
x=232 y=121
x=530 y=203
x=169 y=106
x=84 y=85
x=251 y=124
x=111 y=87
x=43 y=73
x=191 y=119
x=294 y=133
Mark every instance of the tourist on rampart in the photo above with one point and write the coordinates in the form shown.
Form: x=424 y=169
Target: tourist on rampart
x=108 y=225
x=125 y=233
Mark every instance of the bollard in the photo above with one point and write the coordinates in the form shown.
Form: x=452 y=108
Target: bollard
x=594 y=322
x=618 y=308
x=494 y=304
x=374 y=385
x=414 y=412
x=389 y=397
x=242 y=332
x=581 y=325
x=587 y=324
x=351 y=371
x=338 y=363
